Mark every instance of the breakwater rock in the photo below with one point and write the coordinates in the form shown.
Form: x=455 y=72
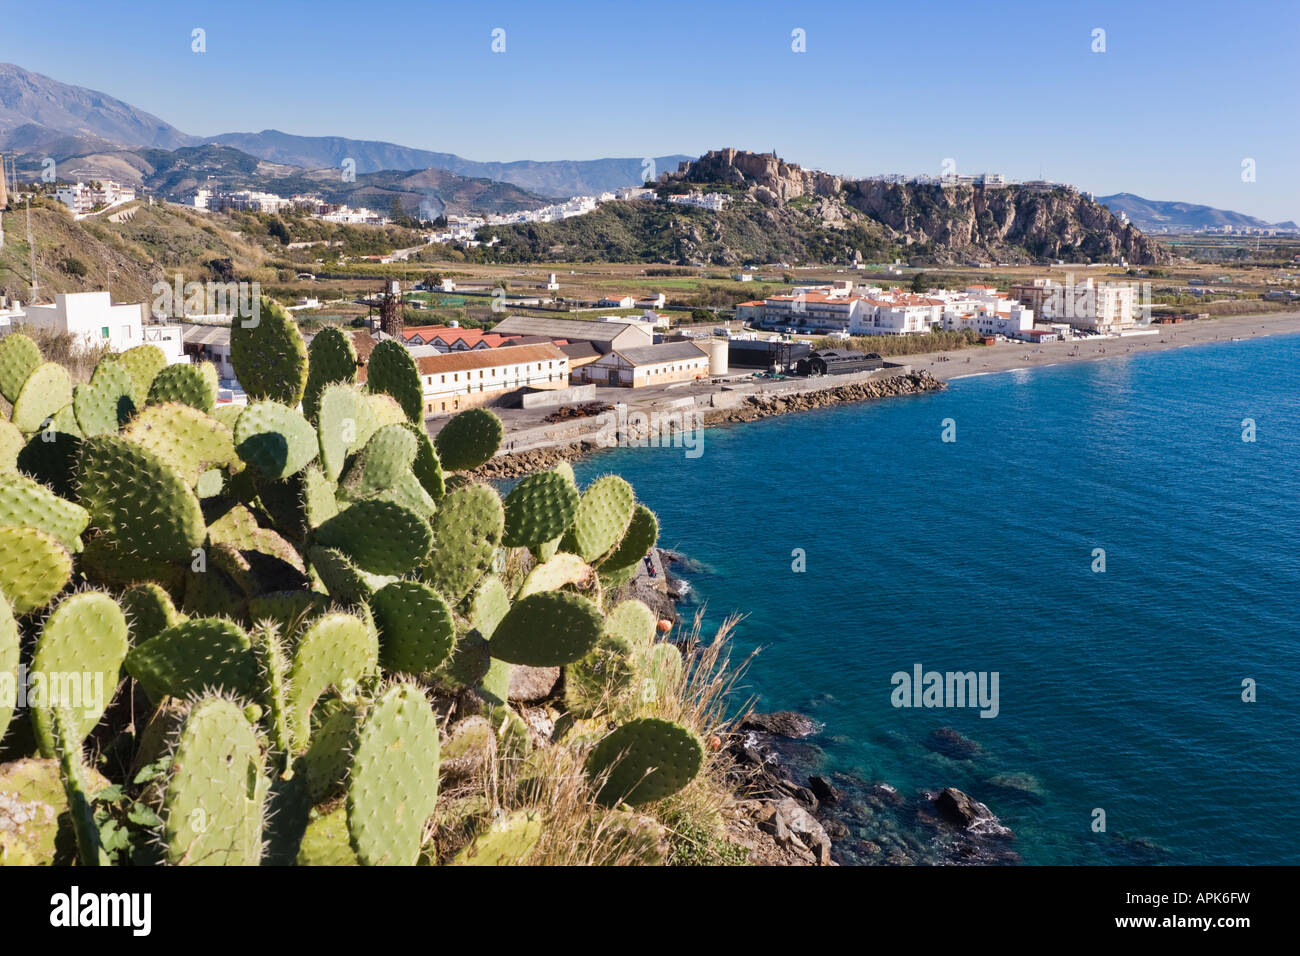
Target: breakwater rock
x=762 y=406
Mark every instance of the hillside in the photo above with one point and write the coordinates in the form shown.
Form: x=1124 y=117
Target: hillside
x=1152 y=214
x=779 y=212
x=130 y=256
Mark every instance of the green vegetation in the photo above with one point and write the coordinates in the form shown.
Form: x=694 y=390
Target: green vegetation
x=306 y=624
x=887 y=345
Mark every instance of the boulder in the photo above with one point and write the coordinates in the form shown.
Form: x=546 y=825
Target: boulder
x=782 y=723
x=531 y=684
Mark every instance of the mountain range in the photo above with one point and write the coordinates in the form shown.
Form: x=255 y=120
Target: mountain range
x=40 y=116
x=1151 y=215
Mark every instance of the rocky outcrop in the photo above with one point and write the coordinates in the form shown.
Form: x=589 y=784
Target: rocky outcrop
x=764 y=174
x=942 y=224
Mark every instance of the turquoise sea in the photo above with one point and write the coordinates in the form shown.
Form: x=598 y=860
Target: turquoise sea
x=1120 y=690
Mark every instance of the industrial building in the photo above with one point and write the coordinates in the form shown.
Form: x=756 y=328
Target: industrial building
x=457 y=380
x=647 y=365
x=839 y=362
x=604 y=336
x=767 y=356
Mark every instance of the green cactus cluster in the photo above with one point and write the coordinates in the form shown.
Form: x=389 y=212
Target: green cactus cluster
x=317 y=604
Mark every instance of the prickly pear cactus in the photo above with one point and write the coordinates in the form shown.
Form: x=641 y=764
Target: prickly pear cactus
x=643 y=760
x=547 y=629
x=84 y=640
x=393 y=782
x=269 y=355
x=34 y=567
x=19 y=357
x=216 y=789
x=391 y=371
x=507 y=841
x=195 y=656
x=469 y=439
x=9 y=648
x=332 y=358
x=416 y=629
x=539 y=509
x=604 y=513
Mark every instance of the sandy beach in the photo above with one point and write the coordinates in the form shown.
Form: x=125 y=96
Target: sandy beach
x=1017 y=355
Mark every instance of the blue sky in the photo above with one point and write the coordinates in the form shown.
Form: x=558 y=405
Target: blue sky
x=1183 y=93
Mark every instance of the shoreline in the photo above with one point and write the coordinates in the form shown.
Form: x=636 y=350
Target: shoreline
x=914 y=375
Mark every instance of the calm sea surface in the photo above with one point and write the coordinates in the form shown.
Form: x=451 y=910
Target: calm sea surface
x=1120 y=690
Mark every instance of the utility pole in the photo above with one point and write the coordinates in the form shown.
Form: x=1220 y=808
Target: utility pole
x=31 y=248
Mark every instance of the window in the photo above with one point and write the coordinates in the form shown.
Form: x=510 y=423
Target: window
x=444 y=382
x=103 y=332
x=126 y=332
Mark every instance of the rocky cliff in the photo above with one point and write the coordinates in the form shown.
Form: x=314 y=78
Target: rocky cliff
x=946 y=224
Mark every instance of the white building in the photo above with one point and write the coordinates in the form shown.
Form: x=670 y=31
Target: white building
x=711 y=201
x=987 y=311
x=82 y=198
x=95 y=321
x=1105 y=307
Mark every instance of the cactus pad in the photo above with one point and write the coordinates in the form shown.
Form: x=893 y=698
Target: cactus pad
x=106 y=403
x=467 y=529
x=344 y=422
x=83 y=642
x=469 y=439
x=149 y=611
x=416 y=629
x=642 y=532
x=139 y=500
x=183 y=437
x=643 y=760
x=427 y=468
x=29 y=504
x=19 y=357
x=633 y=621
x=391 y=370
x=507 y=842
x=216 y=789
x=331 y=358
x=379 y=536
x=538 y=509
x=325 y=841
x=384 y=459
x=143 y=362
x=34 y=567
x=11 y=443
x=345 y=582
x=393 y=783
x=336 y=650
x=269 y=355
x=275 y=439
x=563 y=569
x=9 y=649
x=46 y=390
x=601 y=674
x=194 y=656
x=548 y=629
x=604 y=514
x=192 y=385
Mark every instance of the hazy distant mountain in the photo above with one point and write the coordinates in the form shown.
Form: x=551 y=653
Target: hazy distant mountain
x=28 y=98
x=1152 y=215
x=40 y=115
x=561 y=178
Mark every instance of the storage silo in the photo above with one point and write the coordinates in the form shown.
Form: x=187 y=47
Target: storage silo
x=718 y=351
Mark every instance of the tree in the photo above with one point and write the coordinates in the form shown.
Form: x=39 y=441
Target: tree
x=395 y=210
x=920 y=282
x=278 y=230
